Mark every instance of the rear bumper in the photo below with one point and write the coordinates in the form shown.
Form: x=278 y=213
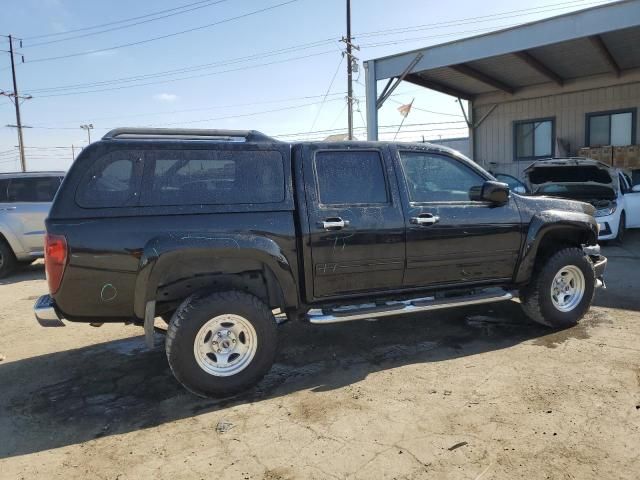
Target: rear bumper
x=46 y=313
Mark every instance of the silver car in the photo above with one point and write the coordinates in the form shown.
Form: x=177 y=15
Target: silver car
x=25 y=199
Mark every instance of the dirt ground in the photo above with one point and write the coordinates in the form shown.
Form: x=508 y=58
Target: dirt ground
x=474 y=393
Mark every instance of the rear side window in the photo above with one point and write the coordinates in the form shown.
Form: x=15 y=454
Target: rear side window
x=32 y=189
x=213 y=177
x=113 y=181
x=350 y=177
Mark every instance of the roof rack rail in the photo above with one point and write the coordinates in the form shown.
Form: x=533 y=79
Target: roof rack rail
x=188 y=134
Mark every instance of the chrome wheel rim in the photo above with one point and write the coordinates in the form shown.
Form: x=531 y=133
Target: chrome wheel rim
x=567 y=288
x=225 y=345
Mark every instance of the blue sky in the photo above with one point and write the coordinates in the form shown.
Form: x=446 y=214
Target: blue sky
x=293 y=52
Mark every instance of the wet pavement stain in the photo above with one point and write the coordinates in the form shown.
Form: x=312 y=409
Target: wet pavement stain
x=579 y=332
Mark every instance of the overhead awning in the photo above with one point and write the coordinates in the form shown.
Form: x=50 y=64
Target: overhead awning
x=600 y=40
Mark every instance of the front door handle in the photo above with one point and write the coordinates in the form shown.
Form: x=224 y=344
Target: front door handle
x=425 y=219
x=333 y=223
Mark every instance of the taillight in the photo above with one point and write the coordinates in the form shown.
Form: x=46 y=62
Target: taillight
x=55 y=260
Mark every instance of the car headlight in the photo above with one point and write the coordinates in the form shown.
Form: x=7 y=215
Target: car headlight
x=609 y=210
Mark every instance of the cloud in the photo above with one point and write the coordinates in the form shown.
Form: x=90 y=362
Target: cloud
x=166 y=97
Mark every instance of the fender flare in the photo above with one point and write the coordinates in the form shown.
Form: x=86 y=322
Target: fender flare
x=202 y=253
x=553 y=221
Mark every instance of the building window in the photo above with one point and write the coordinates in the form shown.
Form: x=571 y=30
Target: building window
x=615 y=128
x=534 y=139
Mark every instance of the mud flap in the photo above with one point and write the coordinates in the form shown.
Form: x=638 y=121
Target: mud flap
x=149 y=319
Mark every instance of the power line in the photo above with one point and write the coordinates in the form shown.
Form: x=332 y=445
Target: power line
x=327 y=93
x=161 y=37
x=440 y=35
x=215 y=107
x=193 y=68
x=449 y=34
x=207 y=4
x=302 y=57
x=112 y=23
x=381 y=127
x=229 y=62
x=480 y=19
x=240 y=115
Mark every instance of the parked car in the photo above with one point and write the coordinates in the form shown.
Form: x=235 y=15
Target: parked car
x=608 y=189
x=214 y=230
x=25 y=199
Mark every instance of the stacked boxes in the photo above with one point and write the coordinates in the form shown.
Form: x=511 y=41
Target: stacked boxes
x=603 y=154
x=627 y=157
x=621 y=157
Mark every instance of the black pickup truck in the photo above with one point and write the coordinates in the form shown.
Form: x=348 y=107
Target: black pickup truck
x=216 y=231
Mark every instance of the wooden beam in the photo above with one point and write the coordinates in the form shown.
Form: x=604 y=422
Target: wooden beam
x=605 y=54
x=539 y=67
x=437 y=86
x=482 y=77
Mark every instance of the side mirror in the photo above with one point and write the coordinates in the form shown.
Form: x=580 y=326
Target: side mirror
x=495 y=192
x=636 y=188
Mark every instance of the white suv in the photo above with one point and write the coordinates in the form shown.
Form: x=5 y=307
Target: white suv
x=625 y=213
x=25 y=199
x=608 y=189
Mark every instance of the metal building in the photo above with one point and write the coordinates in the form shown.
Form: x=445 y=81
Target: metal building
x=546 y=88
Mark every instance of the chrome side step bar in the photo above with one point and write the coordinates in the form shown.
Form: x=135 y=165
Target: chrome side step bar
x=371 y=311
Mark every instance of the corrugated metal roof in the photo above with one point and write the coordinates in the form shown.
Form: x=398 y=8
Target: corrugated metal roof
x=599 y=40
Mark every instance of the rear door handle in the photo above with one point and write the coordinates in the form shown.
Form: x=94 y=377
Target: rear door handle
x=333 y=223
x=425 y=219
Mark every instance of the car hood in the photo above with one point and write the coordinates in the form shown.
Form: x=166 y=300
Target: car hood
x=585 y=181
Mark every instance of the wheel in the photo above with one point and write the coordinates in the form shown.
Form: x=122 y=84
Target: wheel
x=7 y=259
x=561 y=289
x=221 y=344
x=622 y=226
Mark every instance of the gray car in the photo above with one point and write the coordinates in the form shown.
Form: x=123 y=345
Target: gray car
x=25 y=199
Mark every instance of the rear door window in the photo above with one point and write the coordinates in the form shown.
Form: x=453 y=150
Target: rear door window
x=214 y=177
x=351 y=177
x=32 y=189
x=114 y=181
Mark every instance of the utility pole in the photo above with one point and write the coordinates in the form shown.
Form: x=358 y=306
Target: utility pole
x=349 y=74
x=350 y=64
x=88 y=128
x=16 y=102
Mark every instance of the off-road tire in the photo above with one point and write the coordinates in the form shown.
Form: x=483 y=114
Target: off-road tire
x=192 y=315
x=536 y=296
x=7 y=259
x=622 y=227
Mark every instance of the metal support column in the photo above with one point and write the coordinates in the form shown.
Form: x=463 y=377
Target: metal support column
x=372 y=100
